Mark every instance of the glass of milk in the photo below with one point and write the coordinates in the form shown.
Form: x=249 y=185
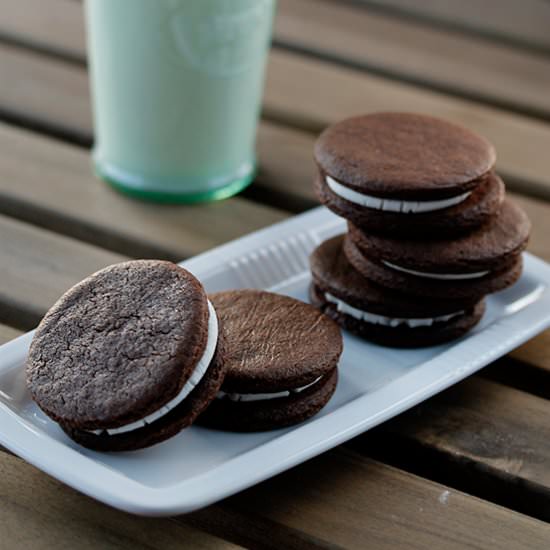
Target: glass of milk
x=176 y=88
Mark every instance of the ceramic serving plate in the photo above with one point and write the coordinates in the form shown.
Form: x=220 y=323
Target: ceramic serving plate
x=200 y=466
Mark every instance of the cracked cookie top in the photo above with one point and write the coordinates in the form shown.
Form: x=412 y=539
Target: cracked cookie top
x=118 y=345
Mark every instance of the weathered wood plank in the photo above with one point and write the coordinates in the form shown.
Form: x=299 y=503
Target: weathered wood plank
x=320 y=94
x=450 y=62
x=37 y=512
x=337 y=500
x=422 y=53
x=51 y=25
x=34 y=87
x=358 y=503
x=37 y=266
x=522 y=23
x=492 y=440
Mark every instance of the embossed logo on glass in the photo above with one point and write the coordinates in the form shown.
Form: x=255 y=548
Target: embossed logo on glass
x=221 y=43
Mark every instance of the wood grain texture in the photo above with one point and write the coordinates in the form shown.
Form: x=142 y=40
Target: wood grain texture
x=321 y=93
x=493 y=439
x=37 y=266
x=37 y=512
x=352 y=502
x=522 y=23
x=423 y=53
x=455 y=63
x=34 y=87
x=337 y=500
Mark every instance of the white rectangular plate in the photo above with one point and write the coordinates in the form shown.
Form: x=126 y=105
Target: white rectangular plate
x=200 y=466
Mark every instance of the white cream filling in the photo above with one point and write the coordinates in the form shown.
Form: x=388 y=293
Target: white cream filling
x=264 y=396
x=376 y=319
x=442 y=276
x=388 y=205
x=189 y=386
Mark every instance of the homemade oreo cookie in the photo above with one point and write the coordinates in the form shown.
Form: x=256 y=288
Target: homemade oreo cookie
x=381 y=315
x=408 y=174
x=282 y=357
x=430 y=232
x=128 y=357
x=481 y=262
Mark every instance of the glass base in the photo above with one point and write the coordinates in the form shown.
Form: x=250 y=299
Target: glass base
x=129 y=187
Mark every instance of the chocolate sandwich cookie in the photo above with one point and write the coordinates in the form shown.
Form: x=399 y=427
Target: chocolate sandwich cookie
x=128 y=357
x=484 y=261
x=405 y=173
x=282 y=357
x=381 y=315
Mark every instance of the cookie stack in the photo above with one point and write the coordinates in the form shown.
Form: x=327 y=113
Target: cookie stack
x=430 y=229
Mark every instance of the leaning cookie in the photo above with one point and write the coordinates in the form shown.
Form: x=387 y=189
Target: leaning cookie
x=484 y=261
x=128 y=357
x=380 y=315
x=282 y=357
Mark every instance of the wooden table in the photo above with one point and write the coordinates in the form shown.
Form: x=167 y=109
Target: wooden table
x=470 y=467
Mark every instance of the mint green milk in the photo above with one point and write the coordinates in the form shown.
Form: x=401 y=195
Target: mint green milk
x=176 y=89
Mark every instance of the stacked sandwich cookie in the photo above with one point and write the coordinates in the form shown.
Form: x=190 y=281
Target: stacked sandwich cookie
x=430 y=230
